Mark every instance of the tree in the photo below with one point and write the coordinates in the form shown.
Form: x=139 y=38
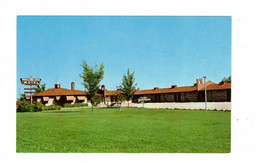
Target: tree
x=40 y=88
x=96 y=100
x=120 y=97
x=227 y=79
x=92 y=76
x=128 y=86
x=23 y=96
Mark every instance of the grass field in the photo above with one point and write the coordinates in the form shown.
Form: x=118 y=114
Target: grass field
x=131 y=130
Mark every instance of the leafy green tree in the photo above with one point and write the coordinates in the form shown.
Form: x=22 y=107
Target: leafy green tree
x=22 y=96
x=119 y=96
x=96 y=100
x=229 y=79
x=128 y=86
x=40 y=88
x=92 y=76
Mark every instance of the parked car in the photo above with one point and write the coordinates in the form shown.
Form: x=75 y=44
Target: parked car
x=143 y=99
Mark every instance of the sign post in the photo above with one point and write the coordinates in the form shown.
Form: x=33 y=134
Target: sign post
x=30 y=81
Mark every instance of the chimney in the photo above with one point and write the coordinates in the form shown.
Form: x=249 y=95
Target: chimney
x=156 y=88
x=102 y=87
x=173 y=86
x=72 y=86
x=198 y=83
x=57 y=85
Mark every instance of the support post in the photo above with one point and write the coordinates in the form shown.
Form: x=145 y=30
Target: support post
x=205 y=93
x=31 y=93
x=143 y=101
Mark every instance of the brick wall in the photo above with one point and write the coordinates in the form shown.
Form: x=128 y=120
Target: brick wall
x=169 y=97
x=217 y=96
x=196 y=96
x=189 y=97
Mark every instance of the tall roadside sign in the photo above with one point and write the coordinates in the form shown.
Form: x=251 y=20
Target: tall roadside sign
x=30 y=82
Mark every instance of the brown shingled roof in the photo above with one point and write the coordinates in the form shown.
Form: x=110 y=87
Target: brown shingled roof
x=112 y=93
x=166 y=90
x=218 y=86
x=63 y=91
x=60 y=91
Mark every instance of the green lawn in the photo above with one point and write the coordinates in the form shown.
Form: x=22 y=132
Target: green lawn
x=131 y=130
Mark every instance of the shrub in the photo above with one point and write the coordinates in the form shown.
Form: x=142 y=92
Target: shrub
x=18 y=103
x=51 y=108
x=75 y=105
x=38 y=107
x=25 y=106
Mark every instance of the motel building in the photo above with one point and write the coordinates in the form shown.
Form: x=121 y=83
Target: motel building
x=220 y=92
x=216 y=92
x=61 y=96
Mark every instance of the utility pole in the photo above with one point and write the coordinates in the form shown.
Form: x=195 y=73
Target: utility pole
x=31 y=92
x=19 y=94
x=119 y=98
x=205 y=93
x=143 y=101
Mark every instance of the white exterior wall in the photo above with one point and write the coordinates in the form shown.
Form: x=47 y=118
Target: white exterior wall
x=183 y=105
x=39 y=100
x=108 y=100
x=85 y=101
x=74 y=100
x=50 y=102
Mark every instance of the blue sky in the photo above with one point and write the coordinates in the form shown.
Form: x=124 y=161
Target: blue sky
x=163 y=51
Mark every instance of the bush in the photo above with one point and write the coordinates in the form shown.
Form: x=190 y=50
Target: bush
x=75 y=105
x=38 y=107
x=25 y=106
x=51 y=108
x=18 y=103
